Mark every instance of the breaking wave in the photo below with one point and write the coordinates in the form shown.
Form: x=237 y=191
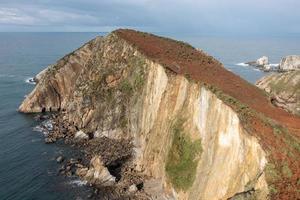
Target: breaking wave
x=243 y=64
x=30 y=81
x=78 y=182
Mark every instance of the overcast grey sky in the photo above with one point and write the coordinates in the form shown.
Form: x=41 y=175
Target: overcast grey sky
x=276 y=17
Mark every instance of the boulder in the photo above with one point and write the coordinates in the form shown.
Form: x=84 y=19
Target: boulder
x=81 y=135
x=98 y=173
x=291 y=62
x=82 y=171
x=262 y=61
x=132 y=188
x=59 y=159
x=49 y=140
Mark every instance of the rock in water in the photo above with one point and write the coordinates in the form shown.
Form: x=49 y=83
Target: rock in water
x=262 y=61
x=291 y=62
x=59 y=159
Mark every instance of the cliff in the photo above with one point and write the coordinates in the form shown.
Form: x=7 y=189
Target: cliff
x=284 y=89
x=289 y=63
x=199 y=131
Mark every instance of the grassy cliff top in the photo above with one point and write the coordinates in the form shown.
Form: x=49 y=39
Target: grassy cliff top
x=277 y=130
x=182 y=58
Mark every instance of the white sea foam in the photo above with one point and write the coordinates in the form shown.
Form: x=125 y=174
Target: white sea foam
x=243 y=64
x=274 y=65
x=30 y=80
x=78 y=182
x=38 y=128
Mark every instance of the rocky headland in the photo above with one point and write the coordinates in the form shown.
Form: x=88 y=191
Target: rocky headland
x=287 y=63
x=284 y=90
x=159 y=119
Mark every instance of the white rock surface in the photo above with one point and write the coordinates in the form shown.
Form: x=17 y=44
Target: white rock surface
x=98 y=173
x=112 y=133
x=132 y=188
x=81 y=135
x=291 y=62
x=263 y=61
x=267 y=68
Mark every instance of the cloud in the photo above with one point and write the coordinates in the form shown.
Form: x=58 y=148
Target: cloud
x=35 y=16
x=63 y=17
x=15 y=16
x=190 y=16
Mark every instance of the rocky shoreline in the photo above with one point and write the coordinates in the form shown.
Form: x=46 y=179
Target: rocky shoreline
x=287 y=63
x=111 y=157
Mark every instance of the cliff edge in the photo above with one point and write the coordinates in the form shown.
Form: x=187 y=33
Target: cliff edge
x=198 y=130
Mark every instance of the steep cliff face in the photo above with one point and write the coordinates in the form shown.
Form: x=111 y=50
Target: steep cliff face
x=289 y=63
x=190 y=139
x=56 y=83
x=284 y=89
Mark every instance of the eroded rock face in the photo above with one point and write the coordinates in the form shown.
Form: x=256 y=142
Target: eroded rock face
x=57 y=82
x=289 y=63
x=108 y=87
x=284 y=89
x=97 y=173
x=228 y=151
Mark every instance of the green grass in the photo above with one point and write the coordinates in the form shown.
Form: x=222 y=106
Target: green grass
x=272 y=173
x=126 y=87
x=286 y=171
x=183 y=158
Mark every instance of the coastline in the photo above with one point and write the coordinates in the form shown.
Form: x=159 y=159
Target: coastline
x=116 y=155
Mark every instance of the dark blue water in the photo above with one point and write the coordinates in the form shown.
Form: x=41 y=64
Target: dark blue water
x=27 y=165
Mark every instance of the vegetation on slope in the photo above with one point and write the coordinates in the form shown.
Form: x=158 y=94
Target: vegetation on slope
x=282 y=147
x=183 y=158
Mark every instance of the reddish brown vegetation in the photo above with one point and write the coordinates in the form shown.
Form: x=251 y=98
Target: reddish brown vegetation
x=183 y=59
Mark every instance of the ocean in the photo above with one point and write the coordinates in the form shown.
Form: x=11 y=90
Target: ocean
x=28 y=169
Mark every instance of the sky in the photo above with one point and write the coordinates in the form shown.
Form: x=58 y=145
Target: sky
x=206 y=17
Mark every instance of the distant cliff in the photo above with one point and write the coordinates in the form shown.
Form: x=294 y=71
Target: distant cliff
x=284 y=89
x=199 y=131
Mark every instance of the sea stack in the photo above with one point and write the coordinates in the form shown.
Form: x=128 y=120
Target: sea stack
x=198 y=131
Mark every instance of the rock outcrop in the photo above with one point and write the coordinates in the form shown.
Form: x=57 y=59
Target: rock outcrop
x=284 y=89
x=289 y=63
x=198 y=131
x=261 y=63
x=97 y=173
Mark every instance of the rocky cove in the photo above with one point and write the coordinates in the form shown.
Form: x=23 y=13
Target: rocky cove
x=163 y=120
